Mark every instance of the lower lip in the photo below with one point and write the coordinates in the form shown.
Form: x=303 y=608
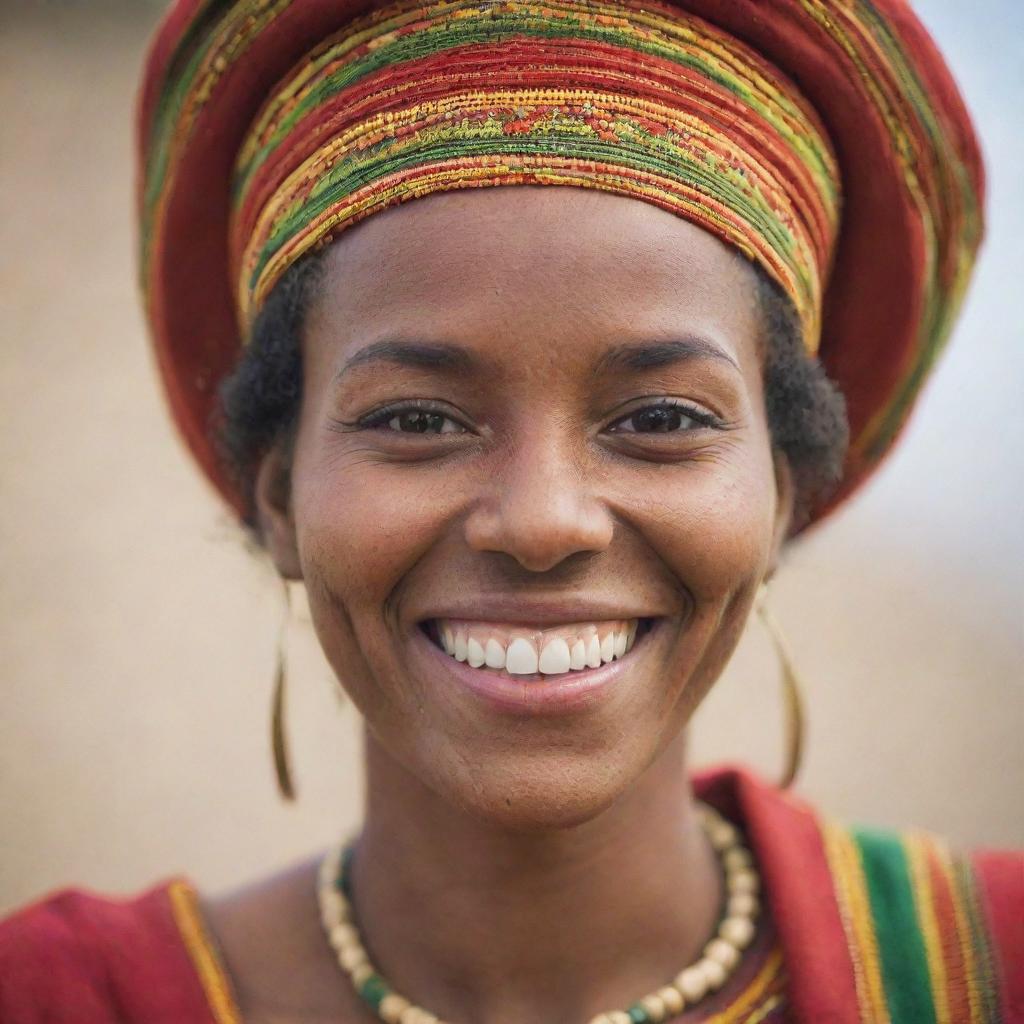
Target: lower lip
x=533 y=694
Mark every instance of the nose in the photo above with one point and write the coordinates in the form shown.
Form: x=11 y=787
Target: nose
x=540 y=509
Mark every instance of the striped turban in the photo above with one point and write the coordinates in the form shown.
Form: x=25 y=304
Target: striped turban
x=824 y=141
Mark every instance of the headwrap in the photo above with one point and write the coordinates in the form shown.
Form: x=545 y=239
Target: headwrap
x=825 y=141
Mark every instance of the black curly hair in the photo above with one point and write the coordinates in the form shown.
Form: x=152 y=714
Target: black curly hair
x=260 y=400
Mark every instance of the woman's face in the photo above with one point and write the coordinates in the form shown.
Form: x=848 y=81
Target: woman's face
x=532 y=418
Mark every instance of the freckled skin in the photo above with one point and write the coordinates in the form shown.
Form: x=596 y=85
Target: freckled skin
x=540 y=491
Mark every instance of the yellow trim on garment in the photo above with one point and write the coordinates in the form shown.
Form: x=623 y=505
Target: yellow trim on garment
x=769 y=1007
x=855 y=913
x=736 y=1012
x=204 y=955
x=963 y=933
x=916 y=847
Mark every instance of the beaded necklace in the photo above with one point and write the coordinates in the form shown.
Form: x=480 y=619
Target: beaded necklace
x=721 y=955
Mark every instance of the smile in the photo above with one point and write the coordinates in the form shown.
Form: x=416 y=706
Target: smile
x=522 y=650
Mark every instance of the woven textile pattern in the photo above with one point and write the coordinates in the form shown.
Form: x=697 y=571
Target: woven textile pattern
x=417 y=99
x=825 y=140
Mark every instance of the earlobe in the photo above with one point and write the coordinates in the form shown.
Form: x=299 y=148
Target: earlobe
x=274 y=512
x=785 y=490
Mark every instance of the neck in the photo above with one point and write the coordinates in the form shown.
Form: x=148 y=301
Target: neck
x=475 y=922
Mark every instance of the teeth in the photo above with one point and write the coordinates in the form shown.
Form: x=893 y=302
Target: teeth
x=578 y=656
x=620 y=643
x=475 y=653
x=494 y=656
x=556 y=651
x=521 y=659
x=555 y=658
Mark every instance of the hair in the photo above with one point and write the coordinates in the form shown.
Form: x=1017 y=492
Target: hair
x=260 y=400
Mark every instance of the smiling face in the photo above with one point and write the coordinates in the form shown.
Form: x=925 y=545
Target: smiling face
x=532 y=420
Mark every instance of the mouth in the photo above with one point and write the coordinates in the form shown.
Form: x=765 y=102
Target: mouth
x=527 y=653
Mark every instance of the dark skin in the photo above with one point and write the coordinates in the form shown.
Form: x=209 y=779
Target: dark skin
x=518 y=867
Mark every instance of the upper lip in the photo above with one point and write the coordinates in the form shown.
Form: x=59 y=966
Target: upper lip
x=520 y=609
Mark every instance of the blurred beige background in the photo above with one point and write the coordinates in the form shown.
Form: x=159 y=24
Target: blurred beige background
x=138 y=634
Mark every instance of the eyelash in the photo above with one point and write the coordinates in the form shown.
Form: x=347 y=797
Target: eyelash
x=380 y=417
x=700 y=417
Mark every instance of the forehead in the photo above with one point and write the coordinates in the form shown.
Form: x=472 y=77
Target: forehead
x=483 y=262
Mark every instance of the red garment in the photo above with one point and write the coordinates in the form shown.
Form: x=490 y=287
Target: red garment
x=78 y=957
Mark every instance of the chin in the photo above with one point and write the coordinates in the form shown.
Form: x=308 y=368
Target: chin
x=539 y=790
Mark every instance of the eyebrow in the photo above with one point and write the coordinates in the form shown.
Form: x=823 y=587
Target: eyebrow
x=420 y=355
x=423 y=355
x=658 y=354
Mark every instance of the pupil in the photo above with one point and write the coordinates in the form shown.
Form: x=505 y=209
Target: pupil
x=658 y=420
x=418 y=422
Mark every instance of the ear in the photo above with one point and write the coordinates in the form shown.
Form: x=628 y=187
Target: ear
x=785 y=490
x=274 y=510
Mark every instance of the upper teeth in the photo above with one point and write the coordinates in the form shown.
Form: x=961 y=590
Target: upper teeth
x=524 y=651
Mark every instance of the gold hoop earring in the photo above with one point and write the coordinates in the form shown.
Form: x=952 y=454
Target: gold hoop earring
x=278 y=743
x=792 y=687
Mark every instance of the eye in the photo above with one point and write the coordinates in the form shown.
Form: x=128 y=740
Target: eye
x=412 y=419
x=663 y=418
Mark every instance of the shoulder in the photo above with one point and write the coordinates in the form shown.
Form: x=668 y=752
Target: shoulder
x=82 y=956
x=931 y=924
x=902 y=923
x=47 y=958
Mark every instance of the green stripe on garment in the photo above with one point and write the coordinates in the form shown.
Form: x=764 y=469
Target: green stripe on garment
x=900 y=944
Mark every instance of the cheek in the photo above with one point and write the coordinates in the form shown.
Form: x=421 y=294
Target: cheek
x=713 y=528
x=713 y=523
x=361 y=526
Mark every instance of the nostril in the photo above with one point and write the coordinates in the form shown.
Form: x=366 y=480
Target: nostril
x=540 y=529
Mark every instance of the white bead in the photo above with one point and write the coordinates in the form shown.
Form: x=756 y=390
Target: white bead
x=672 y=998
x=722 y=835
x=714 y=972
x=332 y=904
x=705 y=813
x=411 y=1015
x=743 y=881
x=620 y=1017
x=328 y=869
x=654 y=1006
x=343 y=935
x=352 y=956
x=392 y=1006
x=737 y=930
x=722 y=952
x=743 y=904
x=601 y=1018
x=736 y=858
x=361 y=973
x=692 y=983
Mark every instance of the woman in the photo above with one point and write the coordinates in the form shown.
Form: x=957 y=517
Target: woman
x=534 y=452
